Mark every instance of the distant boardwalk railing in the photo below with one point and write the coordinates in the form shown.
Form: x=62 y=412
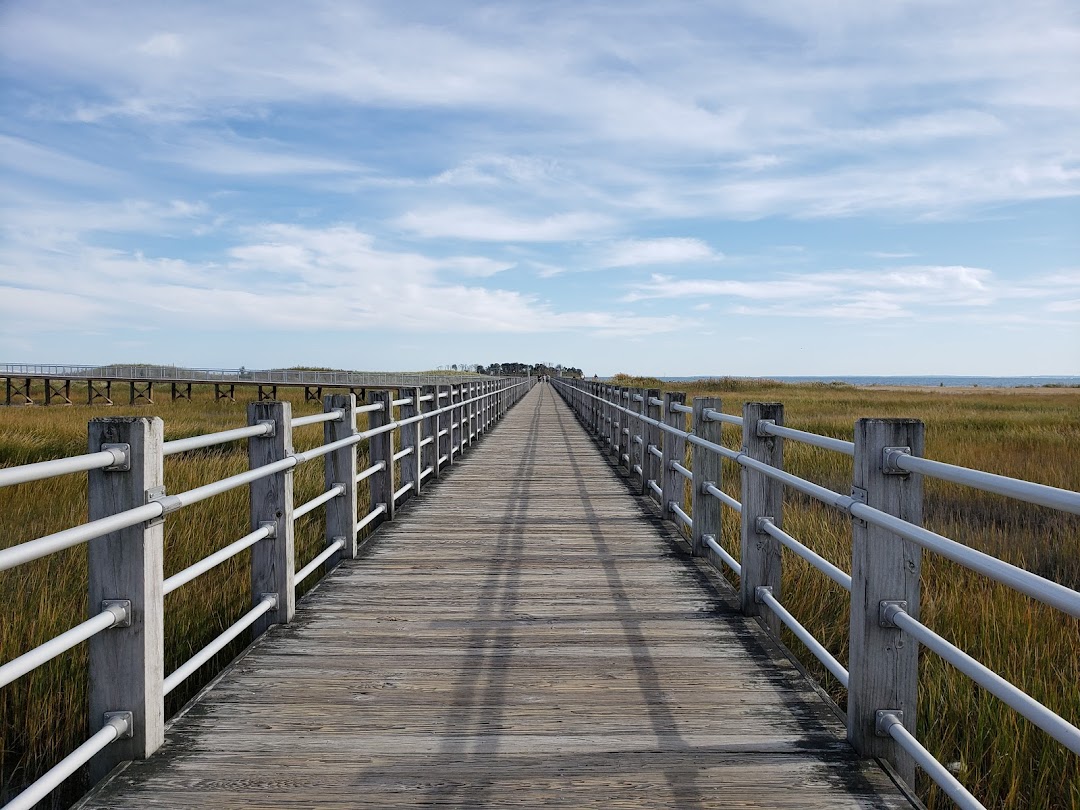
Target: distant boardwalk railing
x=57 y=381
x=647 y=435
x=128 y=504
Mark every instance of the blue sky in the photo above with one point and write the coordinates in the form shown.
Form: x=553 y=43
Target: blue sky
x=674 y=188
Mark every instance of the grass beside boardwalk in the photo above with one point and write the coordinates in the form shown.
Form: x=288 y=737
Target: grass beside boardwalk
x=1024 y=433
x=43 y=714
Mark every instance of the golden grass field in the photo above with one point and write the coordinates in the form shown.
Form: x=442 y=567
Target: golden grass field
x=1033 y=434
x=1026 y=433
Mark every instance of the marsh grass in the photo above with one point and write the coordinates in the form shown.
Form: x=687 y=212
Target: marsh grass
x=43 y=714
x=1030 y=434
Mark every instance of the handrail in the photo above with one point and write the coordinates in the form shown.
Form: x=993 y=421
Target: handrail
x=896 y=460
x=494 y=396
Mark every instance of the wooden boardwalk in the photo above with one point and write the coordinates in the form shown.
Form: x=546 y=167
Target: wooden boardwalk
x=542 y=643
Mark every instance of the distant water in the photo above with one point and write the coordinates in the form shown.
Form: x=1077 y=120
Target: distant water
x=946 y=381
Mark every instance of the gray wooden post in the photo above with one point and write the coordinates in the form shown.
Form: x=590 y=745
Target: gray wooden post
x=381 y=448
x=674 y=450
x=429 y=429
x=707 y=517
x=442 y=426
x=762 y=497
x=651 y=435
x=622 y=397
x=637 y=451
x=884 y=568
x=272 y=560
x=613 y=417
x=409 y=436
x=127 y=661
x=340 y=469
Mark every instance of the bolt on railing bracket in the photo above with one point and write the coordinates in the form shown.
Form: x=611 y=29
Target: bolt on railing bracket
x=129 y=723
x=858 y=495
x=704 y=488
x=760 y=591
x=271 y=426
x=338 y=539
x=884 y=719
x=124 y=463
x=271 y=526
x=759 y=524
x=121 y=606
x=761 y=432
x=889 y=455
x=340 y=486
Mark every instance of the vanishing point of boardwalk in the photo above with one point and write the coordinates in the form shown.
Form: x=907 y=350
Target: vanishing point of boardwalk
x=528 y=634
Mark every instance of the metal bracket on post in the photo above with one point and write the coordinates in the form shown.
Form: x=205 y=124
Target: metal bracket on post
x=888 y=460
x=883 y=720
x=271 y=527
x=124 y=465
x=272 y=432
x=761 y=433
x=121 y=605
x=273 y=597
x=129 y=723
x=887 y=608
x=859 y=495
x=759 y=525
x=759 y=592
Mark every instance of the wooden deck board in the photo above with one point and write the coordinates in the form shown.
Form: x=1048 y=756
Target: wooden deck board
x=525 y=634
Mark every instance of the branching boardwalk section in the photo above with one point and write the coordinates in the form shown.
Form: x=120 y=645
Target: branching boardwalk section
x=527 y=634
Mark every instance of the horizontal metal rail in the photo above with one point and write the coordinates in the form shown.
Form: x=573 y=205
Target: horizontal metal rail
x=825 y=442
x=403 y=401
x=1063 y=499
x=680 y=408
x=61 y=466
x=681 y=515
x=218 y=644
x=681 y=470
x=424 y=473
x=315 y=503
x=1057 y=727
x=374 y=513
x=398 y=456
x=729 y=561
x=371 y=408
x=711 y=489
x=370 y=471
x=656 y=488
x=427 y=441
x=764 y=595
x=17 y=667
x=335 y=415
x=890 y=725
x=656 y=451
x=116 y=726
x=213 y=560
x=637 y=469
x=812 y=557
x=213 y=439
x=402 y=491
x=656 y=401
x=322 y=557
x=442 y=460
x=711 y=415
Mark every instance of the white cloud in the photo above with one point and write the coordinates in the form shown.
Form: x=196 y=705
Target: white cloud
x=668 y=250
x=165 y=44
x=475 y=223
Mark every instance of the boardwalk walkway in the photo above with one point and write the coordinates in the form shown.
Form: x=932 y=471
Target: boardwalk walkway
x=542 y=644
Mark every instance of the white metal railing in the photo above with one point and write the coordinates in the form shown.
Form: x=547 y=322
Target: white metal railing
x=119 y=474
x=609 y=412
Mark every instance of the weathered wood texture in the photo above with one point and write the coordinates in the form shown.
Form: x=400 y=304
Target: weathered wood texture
x=530 y=636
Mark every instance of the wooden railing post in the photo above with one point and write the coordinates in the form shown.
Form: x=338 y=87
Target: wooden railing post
x=674 y=450
x=429 y=429
x=409 y=436
x=707 y=518
x=381 y=448
x=272 y=560
x=637 y=450
x=762 y=498
x=612 y=420
x=125 y=570
x=443 y=420
x=622 y=398
x=340 y=470
x=651 y=436
x=885 y=568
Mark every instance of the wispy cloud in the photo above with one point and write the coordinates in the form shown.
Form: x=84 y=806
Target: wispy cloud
x=668 y=250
